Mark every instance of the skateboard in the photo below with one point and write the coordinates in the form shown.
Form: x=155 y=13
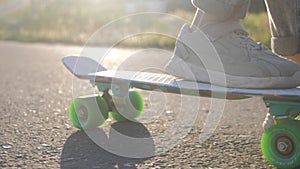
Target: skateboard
x=280 y=143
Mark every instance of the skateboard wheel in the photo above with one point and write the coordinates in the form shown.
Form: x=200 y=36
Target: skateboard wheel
x=131 y=109
x=84 y=112
x=116 y=116
x=281 y=144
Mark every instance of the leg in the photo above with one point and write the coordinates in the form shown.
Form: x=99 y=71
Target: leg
x=219 y=17
x=223 y=10
x=284 y=25
x=295 y=58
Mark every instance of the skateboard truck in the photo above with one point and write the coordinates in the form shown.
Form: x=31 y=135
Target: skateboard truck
x=282 y=110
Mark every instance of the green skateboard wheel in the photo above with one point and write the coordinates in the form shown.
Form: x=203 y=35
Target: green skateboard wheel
x=281 y=145
x=118 y=117
x=88 y=113
x=131 y=109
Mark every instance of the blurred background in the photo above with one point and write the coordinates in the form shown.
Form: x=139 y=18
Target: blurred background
x=74 y=21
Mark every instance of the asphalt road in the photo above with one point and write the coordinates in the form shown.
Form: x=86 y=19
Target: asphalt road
x=35 y=131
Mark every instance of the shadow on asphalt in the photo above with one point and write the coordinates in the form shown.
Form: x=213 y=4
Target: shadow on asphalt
x=126 y=145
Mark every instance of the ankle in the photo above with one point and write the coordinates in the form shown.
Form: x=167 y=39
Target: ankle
x=202 y=19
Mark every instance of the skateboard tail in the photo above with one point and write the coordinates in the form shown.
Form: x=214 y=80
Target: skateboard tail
x=82 y=67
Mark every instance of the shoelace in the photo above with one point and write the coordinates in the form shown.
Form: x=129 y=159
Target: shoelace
x=253 y=45
x=246 y=40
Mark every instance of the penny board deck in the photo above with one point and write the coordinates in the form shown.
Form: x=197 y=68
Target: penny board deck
x=86 y=68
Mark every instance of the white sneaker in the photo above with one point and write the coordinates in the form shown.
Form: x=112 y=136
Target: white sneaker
x=231 y=60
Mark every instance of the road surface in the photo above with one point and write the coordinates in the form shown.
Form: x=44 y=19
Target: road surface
x=36 y=91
